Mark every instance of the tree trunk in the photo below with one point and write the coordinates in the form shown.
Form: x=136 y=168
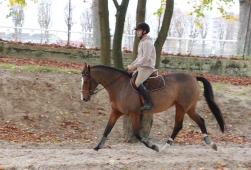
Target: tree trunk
x=140 y=17
x=104 y=32
x=244 y=43
x=95 y=22
x=118 y=34
x=69 y=25
x=146 y=121
x=164 y=30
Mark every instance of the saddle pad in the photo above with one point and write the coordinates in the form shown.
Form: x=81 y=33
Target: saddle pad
x=152 y=84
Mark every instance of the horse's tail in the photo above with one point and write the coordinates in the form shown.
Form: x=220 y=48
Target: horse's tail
x=209 y=96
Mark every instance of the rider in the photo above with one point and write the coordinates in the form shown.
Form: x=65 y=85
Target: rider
x=144 y=63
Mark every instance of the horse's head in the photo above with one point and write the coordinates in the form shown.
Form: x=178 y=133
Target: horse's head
x=88 y=85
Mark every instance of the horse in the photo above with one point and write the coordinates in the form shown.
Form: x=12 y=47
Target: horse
x=181 y=90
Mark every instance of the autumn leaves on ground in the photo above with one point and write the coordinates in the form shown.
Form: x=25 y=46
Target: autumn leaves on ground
x=42 y=105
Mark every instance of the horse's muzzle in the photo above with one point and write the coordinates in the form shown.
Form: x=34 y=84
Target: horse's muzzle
x=86 y=99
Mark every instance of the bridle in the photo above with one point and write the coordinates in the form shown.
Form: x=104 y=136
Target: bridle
x=90 y=79
x=97 y=90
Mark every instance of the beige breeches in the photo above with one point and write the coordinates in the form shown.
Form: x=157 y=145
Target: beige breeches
x=143 y=74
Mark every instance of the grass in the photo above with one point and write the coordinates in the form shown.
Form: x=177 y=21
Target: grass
x=229 y=88
x=33 y=68
x=241 y=57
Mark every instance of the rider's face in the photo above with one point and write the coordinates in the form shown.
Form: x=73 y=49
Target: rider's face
x=139 y=32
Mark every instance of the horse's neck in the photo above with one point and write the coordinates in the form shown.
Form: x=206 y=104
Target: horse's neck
x=110 y=80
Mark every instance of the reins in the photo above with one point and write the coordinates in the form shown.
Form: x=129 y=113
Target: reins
x=94 y=92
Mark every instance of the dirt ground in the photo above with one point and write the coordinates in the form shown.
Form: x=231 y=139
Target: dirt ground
x=45 y=125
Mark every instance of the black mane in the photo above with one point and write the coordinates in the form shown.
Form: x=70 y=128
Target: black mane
x=111 y=68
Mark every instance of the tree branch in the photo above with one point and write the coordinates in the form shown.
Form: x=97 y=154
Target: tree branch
x=116 y=4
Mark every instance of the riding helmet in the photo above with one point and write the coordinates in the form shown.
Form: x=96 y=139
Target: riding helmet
x=143 y=26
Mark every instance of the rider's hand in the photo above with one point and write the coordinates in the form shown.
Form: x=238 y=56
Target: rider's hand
x=130 y=67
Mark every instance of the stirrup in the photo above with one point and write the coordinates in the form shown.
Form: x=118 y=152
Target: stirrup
x=145 y=107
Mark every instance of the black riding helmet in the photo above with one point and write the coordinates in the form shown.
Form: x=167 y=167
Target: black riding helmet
x=143 y=26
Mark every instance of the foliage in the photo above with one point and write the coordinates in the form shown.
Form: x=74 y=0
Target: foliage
x=20 y=2
x=161 y=8
x=201 y=6
x=12 y=3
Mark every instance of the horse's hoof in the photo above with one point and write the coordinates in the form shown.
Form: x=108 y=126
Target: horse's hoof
x=96 y=148
x=214 y=146
x=156 y=148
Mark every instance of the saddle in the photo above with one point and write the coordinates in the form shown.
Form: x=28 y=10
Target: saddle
x=153 y=83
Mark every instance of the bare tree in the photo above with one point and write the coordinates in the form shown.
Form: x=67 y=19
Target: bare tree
x=178 y=25
x=18 y=20
x=204 y=30
x=226 y=30
x=193 y=32
x=129 y=29
x=44 y=18
x=68 y=20
x=86 y=21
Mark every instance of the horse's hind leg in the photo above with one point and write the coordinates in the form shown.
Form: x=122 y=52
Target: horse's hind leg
x=135 y=120
x=179 y=116
x=201 y=123
x=114 y=115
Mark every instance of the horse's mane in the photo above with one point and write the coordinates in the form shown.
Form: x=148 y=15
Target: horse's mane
x=110 y=68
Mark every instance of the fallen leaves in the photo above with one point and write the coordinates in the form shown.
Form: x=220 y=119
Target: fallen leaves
x=12 y=133
x=195 y=137
x=243 y=81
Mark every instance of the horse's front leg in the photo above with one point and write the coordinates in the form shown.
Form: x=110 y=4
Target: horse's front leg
x=135 y=120
x=114 y=115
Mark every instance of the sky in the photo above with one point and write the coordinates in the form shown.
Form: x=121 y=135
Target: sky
x=58 y=22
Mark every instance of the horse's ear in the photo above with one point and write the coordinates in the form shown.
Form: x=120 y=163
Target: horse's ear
x=88 y=68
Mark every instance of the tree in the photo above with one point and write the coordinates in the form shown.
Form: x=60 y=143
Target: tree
x=146 y=120
x=104 y=32
x=178 y=26
x=12 y=3
x=244 y=33
x=18 y=20
x=86 y=21
x=95 y=23
x=128 y=29
x=193 y=32
x=159 y=14
x=118 y=34
x=204 y=31
x=164 y=29
x=226 y=30
x=140 y=17
x=44 y=17
x=68 y=20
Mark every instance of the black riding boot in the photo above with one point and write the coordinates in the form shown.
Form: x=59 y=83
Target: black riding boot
x=148 y=103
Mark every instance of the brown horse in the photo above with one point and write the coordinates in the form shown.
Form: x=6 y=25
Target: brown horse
x=181 y=90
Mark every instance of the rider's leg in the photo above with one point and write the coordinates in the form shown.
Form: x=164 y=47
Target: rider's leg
x=143 y=74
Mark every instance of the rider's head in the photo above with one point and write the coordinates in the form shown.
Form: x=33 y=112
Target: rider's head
x=142 y=29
